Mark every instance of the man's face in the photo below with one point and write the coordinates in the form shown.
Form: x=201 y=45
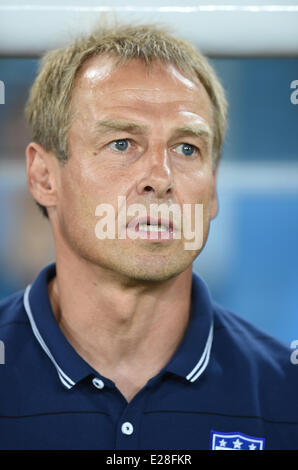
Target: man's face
x=148 y=162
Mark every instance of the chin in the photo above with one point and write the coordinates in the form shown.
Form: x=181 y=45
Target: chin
x=153 y=270
x=152 y=277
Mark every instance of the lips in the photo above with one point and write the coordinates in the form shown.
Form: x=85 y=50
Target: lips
x=156 y=223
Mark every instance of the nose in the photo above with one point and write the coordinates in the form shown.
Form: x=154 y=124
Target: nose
x=158 y=177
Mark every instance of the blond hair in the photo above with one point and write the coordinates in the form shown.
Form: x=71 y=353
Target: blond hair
x=48 y=109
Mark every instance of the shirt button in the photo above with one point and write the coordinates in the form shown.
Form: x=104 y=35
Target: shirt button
x=98 y=383
x=127 y=428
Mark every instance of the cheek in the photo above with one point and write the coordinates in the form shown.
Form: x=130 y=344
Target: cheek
x=83 y=189
x=77 y=202
x=104 y=180
x=196 y=189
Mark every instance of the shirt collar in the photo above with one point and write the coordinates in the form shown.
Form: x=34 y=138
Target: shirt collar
x=193 y=354
x=189 y=361
x=70 y=366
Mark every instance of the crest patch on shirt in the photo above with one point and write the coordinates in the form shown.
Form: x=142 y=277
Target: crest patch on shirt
x=235 y=441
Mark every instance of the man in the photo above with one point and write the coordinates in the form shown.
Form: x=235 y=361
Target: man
x=118 y=345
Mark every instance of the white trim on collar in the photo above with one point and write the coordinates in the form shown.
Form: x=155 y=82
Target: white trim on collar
x=69 y=383
x=204 y=359
x=66 y=381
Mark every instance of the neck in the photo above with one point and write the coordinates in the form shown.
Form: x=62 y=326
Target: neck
x=113 y=324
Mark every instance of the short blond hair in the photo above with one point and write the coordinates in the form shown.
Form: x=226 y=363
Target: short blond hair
x=48 y=109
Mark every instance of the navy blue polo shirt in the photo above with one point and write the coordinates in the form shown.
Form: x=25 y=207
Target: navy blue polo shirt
x=227 y=386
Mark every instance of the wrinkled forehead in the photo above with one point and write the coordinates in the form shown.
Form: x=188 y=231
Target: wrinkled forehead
x=132 y=96
x=102 y=74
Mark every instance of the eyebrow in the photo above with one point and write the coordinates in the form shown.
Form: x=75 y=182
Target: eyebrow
x=192 y=130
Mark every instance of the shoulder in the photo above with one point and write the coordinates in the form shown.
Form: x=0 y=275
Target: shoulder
x=247 y=339
x=254 y=368
x=247 y=347
x=12 y=314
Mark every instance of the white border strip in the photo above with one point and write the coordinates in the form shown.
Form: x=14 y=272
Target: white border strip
x=67 y=382
x=161 y=9
x=203 y=362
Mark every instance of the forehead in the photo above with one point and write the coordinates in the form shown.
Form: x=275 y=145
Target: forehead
x=99 y=82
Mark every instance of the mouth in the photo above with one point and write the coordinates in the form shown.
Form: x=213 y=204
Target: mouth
x=150 y=228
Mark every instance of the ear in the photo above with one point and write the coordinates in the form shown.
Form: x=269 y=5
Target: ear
x=41 y=174
x=213 y=196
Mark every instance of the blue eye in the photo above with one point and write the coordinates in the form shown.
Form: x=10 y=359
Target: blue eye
x=187 y=149
x=121 y=144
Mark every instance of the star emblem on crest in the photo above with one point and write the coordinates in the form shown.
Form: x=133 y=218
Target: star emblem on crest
x=235 y=441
